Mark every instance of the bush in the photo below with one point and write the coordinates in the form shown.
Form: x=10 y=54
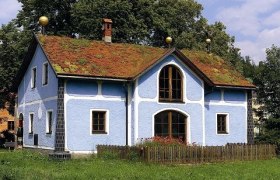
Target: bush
x=159 y=141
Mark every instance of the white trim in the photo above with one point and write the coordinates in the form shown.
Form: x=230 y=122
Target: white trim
x=33 y=85
x=227 y=124
x=44 y=73
x=95 y=78
x=129 y=95
x=188 y=119
x=96 y=98
x=243 y=104
x=38 y=147
x=99 y=88
x=47 y=121
x=136 y=105
x=31 y=131
x=222 y=95
x=107 y=121
x=203 y=118
x=38 y=101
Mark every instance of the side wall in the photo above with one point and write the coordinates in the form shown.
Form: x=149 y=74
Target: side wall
x=234 y=104
x=38 y=101
x=81 y=97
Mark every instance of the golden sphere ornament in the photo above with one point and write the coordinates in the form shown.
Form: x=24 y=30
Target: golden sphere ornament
x=43 y=21
x=208 y=40
x=168 y=40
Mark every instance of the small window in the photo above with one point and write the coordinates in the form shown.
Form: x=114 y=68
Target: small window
x=98 y=122
x=49 y=122
x=45 y=73
x=222 y=123
x=11 y=125
x=31 y=121
x=170 y=85
x=33 y=78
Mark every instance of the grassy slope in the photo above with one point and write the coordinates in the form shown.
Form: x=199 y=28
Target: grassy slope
x=28 y=165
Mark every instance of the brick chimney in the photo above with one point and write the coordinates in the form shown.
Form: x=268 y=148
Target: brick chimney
x=107 y=30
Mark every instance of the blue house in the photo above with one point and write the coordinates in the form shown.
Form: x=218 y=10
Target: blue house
x=74 y=94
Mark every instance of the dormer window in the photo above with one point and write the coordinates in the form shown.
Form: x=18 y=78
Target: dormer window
x=33 y=78
x=45 y=75
x=170 y=84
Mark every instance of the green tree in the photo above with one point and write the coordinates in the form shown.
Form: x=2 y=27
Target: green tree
x=58 y=12
x=12 y=47
x=268 y=91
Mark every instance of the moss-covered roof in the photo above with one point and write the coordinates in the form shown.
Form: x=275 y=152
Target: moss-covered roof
x=80 y=57
x=216 y=69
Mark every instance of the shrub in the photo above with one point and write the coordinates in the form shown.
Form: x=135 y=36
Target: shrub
x=157 y=140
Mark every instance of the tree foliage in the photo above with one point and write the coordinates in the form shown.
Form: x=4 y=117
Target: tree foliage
x=268 y=81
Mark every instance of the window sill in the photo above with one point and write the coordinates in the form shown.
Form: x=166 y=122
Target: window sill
x=99 y=132
x=49 y=133
x=171 y=101
x=31 y=133
x=223 y=133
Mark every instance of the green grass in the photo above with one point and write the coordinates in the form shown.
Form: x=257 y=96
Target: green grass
x=33 y=165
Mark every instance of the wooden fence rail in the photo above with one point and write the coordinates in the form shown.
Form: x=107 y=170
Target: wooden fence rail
x=192 y=154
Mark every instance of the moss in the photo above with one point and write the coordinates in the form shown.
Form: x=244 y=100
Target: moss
x=58 y=68
x=82 y=61
x=78 y=43
x=98 y=56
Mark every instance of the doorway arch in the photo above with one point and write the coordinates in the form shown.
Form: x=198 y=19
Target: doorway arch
x=171 y=123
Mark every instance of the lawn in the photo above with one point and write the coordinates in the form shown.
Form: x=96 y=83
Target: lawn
x=24 y=164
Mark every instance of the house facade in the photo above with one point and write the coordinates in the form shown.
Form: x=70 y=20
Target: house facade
x=74 y=94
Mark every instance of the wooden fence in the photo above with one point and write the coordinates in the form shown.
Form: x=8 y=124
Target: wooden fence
x=192 y=154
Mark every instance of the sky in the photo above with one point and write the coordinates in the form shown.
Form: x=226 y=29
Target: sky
x=255 y=24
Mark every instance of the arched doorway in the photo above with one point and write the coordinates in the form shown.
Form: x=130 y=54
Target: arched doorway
x=171 y=124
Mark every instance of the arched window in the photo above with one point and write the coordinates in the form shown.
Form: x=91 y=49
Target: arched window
x=170 y=84
x=171 y=124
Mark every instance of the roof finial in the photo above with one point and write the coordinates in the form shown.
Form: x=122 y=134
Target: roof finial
x=43 y=21
x=168 y=40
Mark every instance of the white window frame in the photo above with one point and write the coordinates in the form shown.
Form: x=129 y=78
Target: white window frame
x=31 y=130
x=107 y=117
x=44 y=74
x=227 y=123
x=33 y=77
x=48 y=128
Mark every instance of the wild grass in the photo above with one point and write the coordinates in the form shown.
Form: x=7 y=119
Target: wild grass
x=24 y=164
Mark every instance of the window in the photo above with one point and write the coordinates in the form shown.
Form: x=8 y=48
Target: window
x=98 y=122
x=45 y=73
x=222 y=123
x=171 y=124
x=31 y=121
x=49 y=121
x=33 y=78
x=170 y=84
x=11 y=125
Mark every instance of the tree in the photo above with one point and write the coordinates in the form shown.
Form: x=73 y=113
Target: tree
x=12 y=47
x=58 y=12
x=268 y=91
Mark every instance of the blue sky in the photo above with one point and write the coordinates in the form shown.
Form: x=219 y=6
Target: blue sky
x=254 y=23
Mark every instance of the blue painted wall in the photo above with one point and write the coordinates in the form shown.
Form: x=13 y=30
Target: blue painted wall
x=78 y=111
x=232 y=102
x=38 y=100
